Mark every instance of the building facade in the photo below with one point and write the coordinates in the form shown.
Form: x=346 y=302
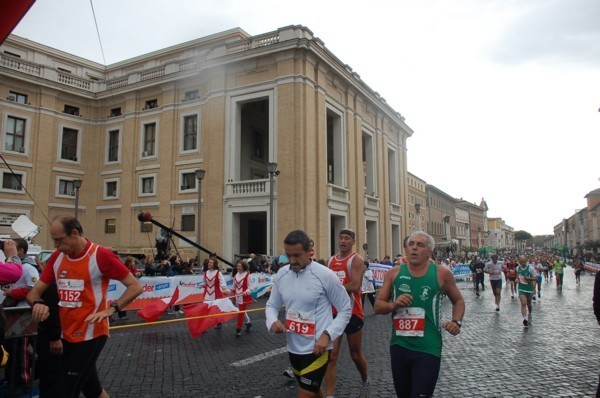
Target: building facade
x=417 y=204
x=135 y=133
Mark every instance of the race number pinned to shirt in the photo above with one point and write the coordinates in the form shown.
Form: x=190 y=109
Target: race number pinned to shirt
x=522 y=279
x=302 y=323
x=410 y=322
x=69 y=292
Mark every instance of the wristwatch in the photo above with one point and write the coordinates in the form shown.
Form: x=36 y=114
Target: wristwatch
x=115 y=305
x=458 y=323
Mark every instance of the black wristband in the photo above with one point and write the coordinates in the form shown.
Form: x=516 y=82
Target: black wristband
x=39 y=302
x=458 y=323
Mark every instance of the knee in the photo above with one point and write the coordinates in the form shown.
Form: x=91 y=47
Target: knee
x=356 y=356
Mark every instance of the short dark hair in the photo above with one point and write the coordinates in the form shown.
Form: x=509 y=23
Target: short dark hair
x=298 y=236
x=21 y=244
x=69 y=224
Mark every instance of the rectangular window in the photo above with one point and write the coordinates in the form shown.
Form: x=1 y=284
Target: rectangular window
x=113 y=146
x=114 y=112
x=12 y=181
x=190 y=95
x=188 y=222
x=148 y=185
x=14 y=139
x=68 y=148
x=71 y=110
x=66 y=187
x=145 y=227
x=151 y=104
x=110 y=226
x=17 y=97
x=149 y=140
x=190 y=133
x=188 y=181
x=111 y=189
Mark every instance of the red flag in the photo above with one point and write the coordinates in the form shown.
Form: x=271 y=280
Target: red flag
x=11 y=13
x=153 y=311
x=201 y=325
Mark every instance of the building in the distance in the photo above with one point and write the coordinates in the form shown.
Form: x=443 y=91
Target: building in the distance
x=135 y=133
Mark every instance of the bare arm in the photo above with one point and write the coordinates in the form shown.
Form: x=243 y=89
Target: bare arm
x=358 y=269
x=133 y=289
x=39 y=312
x=383 y=305
x=448 y=286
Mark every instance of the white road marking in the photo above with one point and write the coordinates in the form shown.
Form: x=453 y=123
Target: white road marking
x=259 y=357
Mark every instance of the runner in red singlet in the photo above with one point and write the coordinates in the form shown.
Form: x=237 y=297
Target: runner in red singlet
x=349 y=267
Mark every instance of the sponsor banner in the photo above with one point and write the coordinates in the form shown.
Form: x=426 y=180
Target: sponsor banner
x=379 y=271
x=462 y=271
x=191 y=288
x=592 y=267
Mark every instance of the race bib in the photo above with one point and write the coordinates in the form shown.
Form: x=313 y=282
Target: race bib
x=410 y=322
x=69 y=292
x=300 y=323
x=522 y=279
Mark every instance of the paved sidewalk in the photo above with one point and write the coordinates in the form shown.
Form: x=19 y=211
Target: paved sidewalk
x=494 y=356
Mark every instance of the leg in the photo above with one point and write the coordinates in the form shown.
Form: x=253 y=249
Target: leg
x=331 y=367
x=81 y=367
x=523 y=301
x=425 y=372
x=372 y=299
x=355 y=346
x=401 y=371
x=309 y=371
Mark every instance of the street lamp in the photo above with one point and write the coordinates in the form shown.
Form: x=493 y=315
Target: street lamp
x=76 y=185
x=273 y=172
x=418 y=210
x=199 y=176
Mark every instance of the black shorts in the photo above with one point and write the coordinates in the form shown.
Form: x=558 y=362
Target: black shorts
x=309 y=370
x=496 y=284
x=354 y=325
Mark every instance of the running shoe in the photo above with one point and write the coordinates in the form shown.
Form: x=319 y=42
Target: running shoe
x=364 y=389
x=248 y=326
x=497 y=309
x=238 y=332
x=539 y=295
x=525 y=323
x=289 y=373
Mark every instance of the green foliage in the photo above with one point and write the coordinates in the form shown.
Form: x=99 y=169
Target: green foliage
x=523 y=235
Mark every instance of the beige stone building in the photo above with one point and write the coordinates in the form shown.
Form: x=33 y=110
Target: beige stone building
x=417 y=204
x=135 y=133
x=442 y=217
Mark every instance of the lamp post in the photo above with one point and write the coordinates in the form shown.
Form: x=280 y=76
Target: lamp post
x=199 y=176
x=273 y=172
x=418 y=210
x=76 y=185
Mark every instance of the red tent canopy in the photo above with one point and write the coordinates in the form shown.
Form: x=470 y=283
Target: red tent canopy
x=11 y=12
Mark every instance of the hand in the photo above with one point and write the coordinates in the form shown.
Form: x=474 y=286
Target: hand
x=10 y=248
x=7 y=291
x=277 y=327
x=100 y=315
x=403 y=301
x=56 y=347
x=451 y=327
x=321 y=344
x=40 y=312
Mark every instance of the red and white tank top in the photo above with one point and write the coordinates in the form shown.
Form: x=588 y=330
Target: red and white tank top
x=82 y=291
x=342 y=268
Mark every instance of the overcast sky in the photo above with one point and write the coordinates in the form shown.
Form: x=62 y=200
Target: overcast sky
x=503 y=96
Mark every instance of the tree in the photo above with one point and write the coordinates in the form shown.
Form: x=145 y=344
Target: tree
x=523 y=235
